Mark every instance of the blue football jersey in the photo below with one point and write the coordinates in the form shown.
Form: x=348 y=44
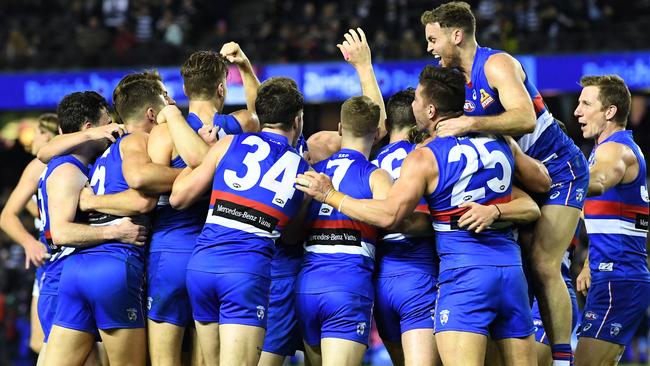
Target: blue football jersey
x=475 y=168
x=617 y=223
x=253 y=198
x=336 y=246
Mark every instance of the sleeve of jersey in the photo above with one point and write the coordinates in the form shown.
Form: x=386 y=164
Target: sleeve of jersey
x=228 y=123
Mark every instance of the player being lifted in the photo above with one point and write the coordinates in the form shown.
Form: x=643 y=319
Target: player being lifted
x=463 y=196
x=500 y=98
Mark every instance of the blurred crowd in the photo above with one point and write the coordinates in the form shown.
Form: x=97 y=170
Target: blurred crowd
x=56 y=34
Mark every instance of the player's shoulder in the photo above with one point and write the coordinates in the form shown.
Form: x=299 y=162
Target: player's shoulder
x=500 y=65
x=159 y=129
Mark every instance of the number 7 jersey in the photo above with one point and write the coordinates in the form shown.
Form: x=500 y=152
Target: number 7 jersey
x=253 y=198
x=479 y=169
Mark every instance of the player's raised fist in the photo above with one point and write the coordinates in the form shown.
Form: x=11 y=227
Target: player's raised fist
x=233 y=53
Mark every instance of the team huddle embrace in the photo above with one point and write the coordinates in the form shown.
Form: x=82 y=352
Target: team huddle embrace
x=446 y=215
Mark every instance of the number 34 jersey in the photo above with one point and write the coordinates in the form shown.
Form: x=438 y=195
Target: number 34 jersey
x=475 y=168
x=253 y=198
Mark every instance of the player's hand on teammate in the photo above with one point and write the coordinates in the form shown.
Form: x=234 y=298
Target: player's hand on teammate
x=317 y=185
x=167 y=111
x=478 y=217
x=234 y=54
x=209 y=134
x=458 y=126
x=355 y=48
x=583 y=282
x=85 y=198
x=111 y=132
x=128 y=232
x=36 y=254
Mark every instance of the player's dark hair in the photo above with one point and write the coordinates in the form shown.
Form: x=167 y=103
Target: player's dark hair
x=399 y=112
x=136 y=93
x=202 y=72
x=456 y=14
x=77 y=108
x=360 y=115
x=278 y=102
x=443 y=87
x=611 y=91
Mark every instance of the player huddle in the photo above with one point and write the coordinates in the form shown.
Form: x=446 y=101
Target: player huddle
x=235 y=229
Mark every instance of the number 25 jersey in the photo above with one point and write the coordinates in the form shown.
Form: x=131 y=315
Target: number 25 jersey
x=476 y=168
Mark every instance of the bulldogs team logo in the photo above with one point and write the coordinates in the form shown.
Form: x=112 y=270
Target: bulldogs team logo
x=433 y=314
x=644 y=194
x=444 y=317
x=580 y=194
x=469 y=106
x=615 y=329
x=132 y=314
x=361 y=328
x=260 y=312
x=149 y=302
x=590 y=315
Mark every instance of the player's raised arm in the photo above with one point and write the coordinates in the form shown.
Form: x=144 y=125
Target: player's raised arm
x=192 y=183
x=356 y=51
x=234 y=54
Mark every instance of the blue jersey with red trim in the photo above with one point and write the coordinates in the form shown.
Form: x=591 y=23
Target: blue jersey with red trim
x=106 y=177
x=474 y=168
x=617 y=223
x=253 y=198
x=546 y=142
x=339 y=251
x=287 y=259
x=42 y=197
x=176 y=230
x=397 y=252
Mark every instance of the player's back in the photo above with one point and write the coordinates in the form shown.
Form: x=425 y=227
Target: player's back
x=107 y=178
x=287 y=258
x=398 y=252
x=53 y=267
x=339 y=251
x=42 y=197
x=474 y=168
x=617 y=224
x=253 y=198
